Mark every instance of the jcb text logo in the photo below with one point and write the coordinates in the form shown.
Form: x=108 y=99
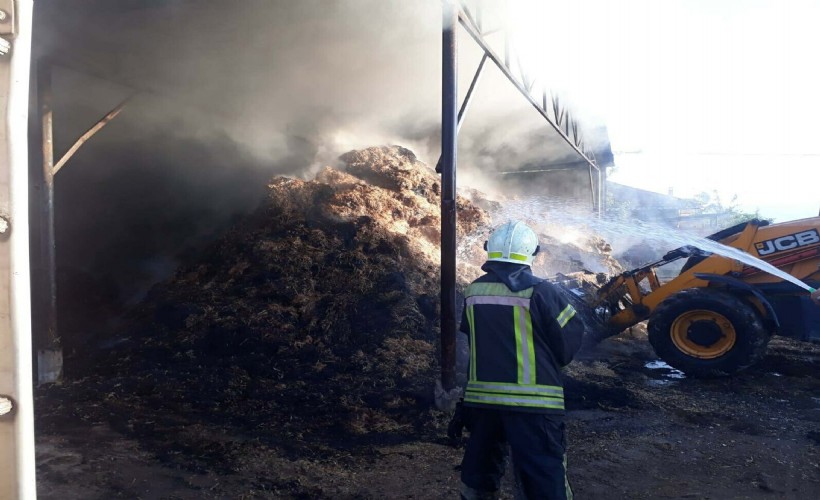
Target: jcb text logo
x=788 y=242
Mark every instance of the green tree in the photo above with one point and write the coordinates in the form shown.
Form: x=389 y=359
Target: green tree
x=712 y=204
x=618 y=208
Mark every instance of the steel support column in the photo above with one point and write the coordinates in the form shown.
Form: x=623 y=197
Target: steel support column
x=49 y=352
x=449 y=131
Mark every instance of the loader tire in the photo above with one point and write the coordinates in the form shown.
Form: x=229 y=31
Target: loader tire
x=707 y=333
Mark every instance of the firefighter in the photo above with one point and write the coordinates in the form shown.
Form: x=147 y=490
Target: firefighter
x=521 y=333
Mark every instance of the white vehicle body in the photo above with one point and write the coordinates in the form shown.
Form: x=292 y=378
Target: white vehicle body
x=16 y=400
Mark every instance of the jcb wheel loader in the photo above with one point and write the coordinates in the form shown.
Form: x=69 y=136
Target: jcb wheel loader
x=717 y=315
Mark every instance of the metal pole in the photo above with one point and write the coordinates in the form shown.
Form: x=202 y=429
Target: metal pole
x=449 y=130
x=603 y=192
x=469 y=94
x=466 y=103
x=503 y=66
x=49 y=353
x=102 y=122
x=592 y=188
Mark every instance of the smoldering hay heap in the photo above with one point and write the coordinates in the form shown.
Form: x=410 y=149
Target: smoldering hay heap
x=317 y=315
x=317 y=312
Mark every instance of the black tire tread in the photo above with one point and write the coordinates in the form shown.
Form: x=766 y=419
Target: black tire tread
x=752 y=337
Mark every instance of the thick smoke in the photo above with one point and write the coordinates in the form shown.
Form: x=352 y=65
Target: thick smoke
x=230 y=94
x=330 y=72
x=338 y=74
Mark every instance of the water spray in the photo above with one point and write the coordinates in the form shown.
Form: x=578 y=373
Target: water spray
x=543 y=212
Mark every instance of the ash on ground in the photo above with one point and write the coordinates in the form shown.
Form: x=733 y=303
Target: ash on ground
x=296 y=358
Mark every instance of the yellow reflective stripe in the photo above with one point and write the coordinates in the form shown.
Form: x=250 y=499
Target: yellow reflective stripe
x=567 y=314
x=530 y=346
x=500 y=255
x=498 y=294
x=497 y=289
x=524 y=345
x=471 y=321
x=498 y=301
x=510 y=388
x=566 y=480
x=520 y=347
x=522 y=401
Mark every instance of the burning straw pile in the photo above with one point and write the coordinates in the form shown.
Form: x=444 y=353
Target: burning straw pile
x=313 y=320
x=317 y=314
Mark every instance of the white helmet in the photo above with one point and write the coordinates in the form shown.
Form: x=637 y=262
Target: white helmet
x=512 y=242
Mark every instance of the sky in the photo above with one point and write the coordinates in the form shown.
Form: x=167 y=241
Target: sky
x=696 y=95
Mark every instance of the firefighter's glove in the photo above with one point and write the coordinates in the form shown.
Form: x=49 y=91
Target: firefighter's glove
x=456 y=426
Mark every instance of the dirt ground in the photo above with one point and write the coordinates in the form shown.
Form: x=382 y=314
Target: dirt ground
x=296 y=358
x=635 y=431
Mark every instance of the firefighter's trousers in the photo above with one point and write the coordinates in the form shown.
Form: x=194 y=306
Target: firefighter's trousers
x=538 y=446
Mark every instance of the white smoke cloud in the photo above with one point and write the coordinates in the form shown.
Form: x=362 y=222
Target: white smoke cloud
x=229 y=94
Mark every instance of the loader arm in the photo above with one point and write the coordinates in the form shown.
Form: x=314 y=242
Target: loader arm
x=630 y=301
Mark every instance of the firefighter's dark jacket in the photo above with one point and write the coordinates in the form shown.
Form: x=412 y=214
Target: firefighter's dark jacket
x=521 y=335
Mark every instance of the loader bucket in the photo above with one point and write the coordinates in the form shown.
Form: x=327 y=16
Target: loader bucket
x=581 y=290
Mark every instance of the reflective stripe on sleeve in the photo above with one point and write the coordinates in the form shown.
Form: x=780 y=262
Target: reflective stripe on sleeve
x=567 y=314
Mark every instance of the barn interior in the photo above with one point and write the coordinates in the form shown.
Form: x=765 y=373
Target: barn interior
x=243 y=277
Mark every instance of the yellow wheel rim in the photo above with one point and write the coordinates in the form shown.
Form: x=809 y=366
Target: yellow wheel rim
x=703 y=334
